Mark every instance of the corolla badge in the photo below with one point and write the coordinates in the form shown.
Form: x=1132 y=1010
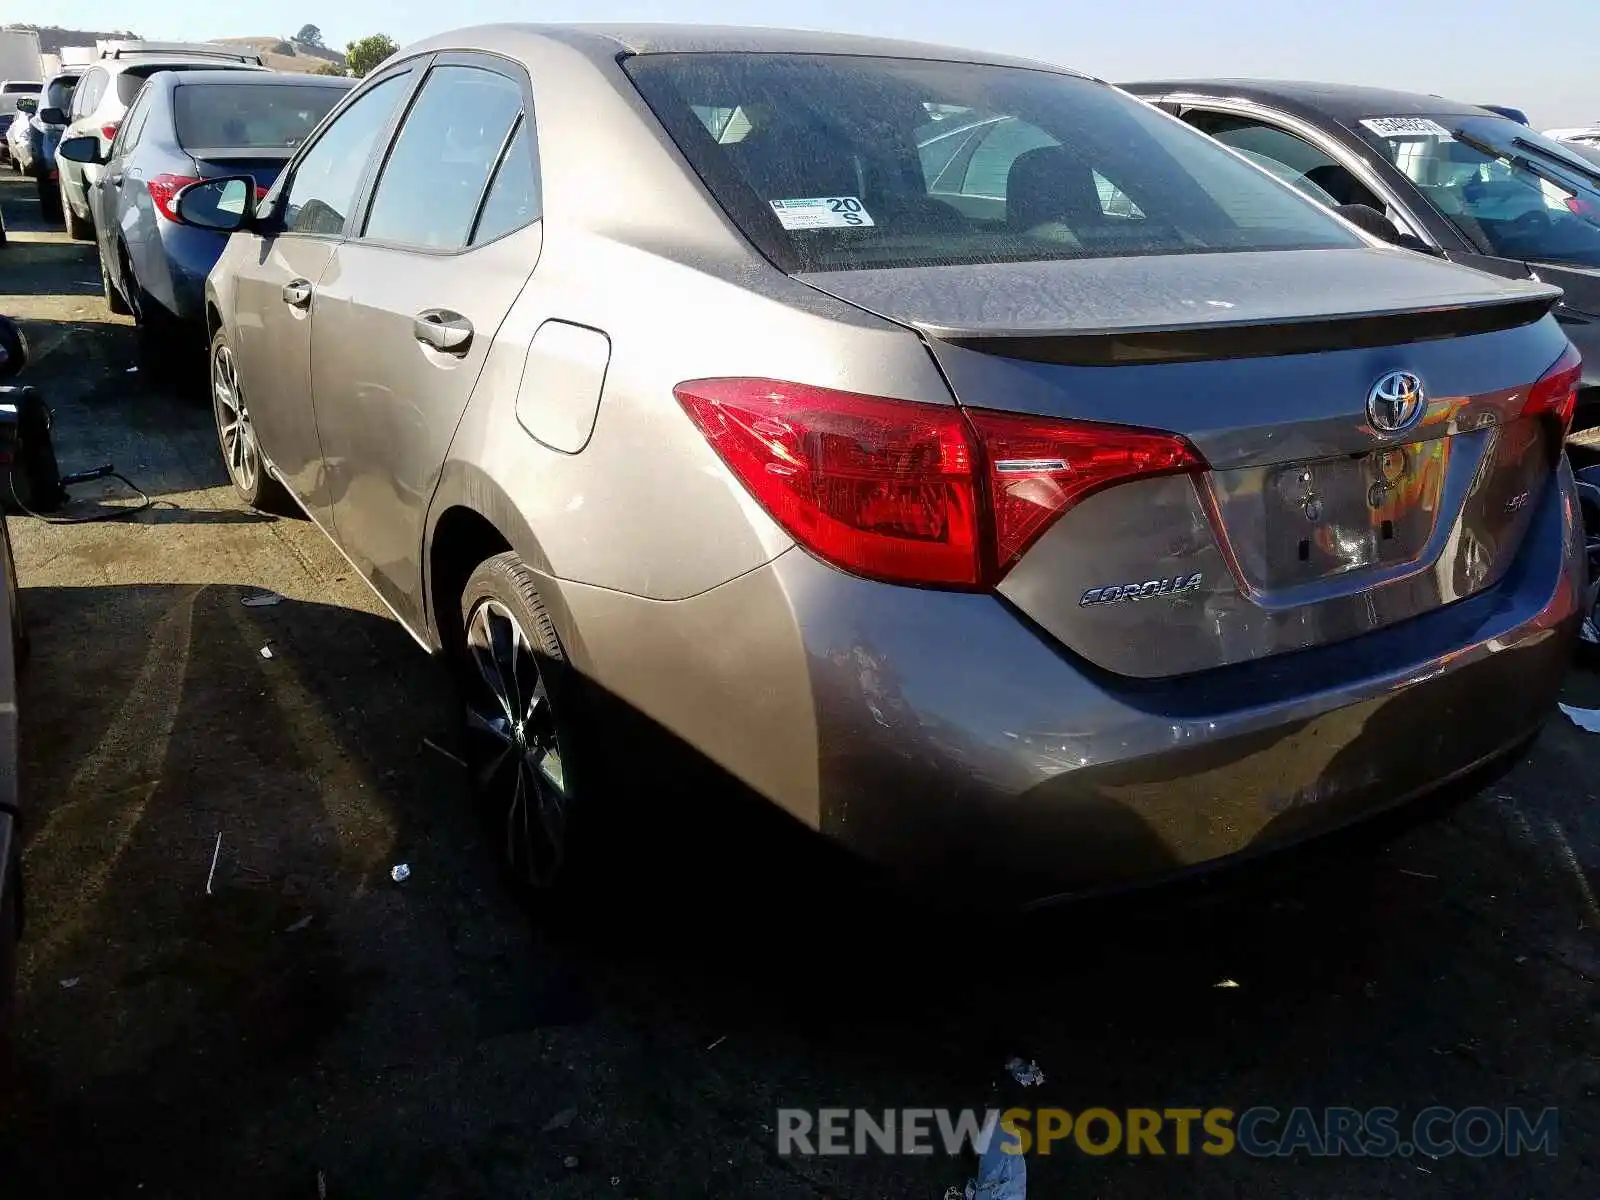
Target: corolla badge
x=1175 y=585
x=1396 y=402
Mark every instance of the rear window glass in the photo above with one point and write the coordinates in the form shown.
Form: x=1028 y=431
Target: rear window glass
x=132 y=79
x=19 y=89
x=831 y=162
x=250 y=114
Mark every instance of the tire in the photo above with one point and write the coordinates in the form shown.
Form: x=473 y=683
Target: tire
x=114 y=300
x=527 y=774
x=78 y=229
x=241 y=454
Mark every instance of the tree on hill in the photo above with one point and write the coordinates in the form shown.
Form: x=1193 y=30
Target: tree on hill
x=366 y=53
x=309 y=34
x=326 y=68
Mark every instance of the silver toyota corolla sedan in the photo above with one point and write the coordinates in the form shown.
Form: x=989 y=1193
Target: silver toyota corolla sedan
x=981 y=465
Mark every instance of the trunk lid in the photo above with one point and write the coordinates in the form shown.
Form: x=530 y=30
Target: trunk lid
x=263 y=166
x=1312 y=523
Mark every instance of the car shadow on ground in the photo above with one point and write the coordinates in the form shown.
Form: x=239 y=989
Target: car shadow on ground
x=294 y=1009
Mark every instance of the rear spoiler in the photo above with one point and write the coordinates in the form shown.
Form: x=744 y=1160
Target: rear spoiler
x=1221 y=341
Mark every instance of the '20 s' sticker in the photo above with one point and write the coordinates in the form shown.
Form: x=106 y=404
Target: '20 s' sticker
x=822 y=212
x=1407 y=127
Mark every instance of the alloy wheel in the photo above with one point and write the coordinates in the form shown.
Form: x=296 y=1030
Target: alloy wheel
x=234 y=430
x=518 y=757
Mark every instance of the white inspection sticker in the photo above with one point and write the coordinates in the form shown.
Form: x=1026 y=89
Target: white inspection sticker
x=1407 y=127
x=822 y=212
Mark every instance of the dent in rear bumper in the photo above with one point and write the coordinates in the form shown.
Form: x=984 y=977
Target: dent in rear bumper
x=940 y=735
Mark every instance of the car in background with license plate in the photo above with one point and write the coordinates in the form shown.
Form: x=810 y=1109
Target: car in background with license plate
x=186 y=126
x=1064 y=508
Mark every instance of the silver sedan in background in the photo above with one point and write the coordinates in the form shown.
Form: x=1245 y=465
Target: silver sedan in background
x=1063 y=504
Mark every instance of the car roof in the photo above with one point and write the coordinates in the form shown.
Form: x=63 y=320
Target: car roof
x=607 y=41
x=1342 y=102
x=258 y=79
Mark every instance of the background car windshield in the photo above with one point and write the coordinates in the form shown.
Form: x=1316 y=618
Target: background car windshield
x=245 y=114
x=1503 y=206
x=830 y=162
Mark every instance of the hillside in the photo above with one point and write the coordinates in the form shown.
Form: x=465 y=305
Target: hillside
x=53 y=37
x=281 y=54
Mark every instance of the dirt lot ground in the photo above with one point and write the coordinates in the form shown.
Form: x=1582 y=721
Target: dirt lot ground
x=311 y=1020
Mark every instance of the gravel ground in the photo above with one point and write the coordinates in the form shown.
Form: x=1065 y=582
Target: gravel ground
x=307 y=1022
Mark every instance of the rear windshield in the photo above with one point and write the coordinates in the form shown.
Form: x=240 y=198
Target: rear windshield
x=1513 y=192
x=131 y=79
x=19 y=89
x=831 y=162
x=258 y=115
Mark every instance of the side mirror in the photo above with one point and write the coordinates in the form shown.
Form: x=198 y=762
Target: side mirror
x=222 y=204
x=13 y=348
x=53 y=116
x=81 y=150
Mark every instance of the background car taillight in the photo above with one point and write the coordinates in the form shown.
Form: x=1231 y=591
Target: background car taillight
x=109 y=130
x=164 y=190
x=914 y=493
x=1556 y=393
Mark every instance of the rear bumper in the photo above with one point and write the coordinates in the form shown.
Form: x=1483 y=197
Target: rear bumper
x=944 y=738
x=189 y=255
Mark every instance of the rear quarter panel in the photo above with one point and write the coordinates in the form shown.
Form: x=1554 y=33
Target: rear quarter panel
x=634 y=248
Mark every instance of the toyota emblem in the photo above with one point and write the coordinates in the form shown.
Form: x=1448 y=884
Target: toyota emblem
x=1396 y=402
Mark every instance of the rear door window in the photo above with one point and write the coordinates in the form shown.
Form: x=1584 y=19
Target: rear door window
x=434 y=181
x=132 y=127
x=1298 y=158
x=87 y=97
x=513 y=197
x=832 y=162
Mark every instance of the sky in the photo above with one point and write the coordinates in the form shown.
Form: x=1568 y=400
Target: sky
x=1478 y=51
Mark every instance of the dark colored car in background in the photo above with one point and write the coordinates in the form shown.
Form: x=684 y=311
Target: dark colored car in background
x=35 y=155
x=186 y=126
x=1470 y=185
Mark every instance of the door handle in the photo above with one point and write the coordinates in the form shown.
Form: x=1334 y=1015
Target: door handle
x=297 y=293
x=443 y=330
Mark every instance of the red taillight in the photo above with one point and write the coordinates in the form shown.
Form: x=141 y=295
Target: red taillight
x=109 y=131
x=884 y=488
x=1556 y=392
x=164 y=190
x=908 y=492
x=1040 y=468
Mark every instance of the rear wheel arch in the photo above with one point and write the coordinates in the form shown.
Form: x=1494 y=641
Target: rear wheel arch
x=472 y=520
